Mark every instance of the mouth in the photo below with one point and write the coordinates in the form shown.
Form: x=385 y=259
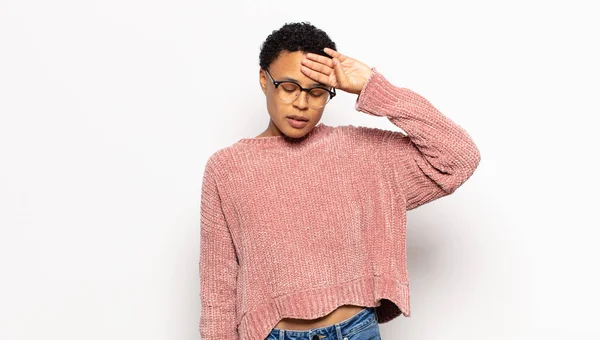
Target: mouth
x=299 y=118
x=297 y=122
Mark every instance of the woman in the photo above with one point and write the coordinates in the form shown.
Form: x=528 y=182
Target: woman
x=303 y=227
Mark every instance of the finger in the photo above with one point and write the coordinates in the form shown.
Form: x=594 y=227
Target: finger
x=339 y=72
x=319 y=58
x=335 y=54
x=317 y=66
x=316 y=76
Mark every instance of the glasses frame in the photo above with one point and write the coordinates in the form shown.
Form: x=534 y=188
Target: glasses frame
x=307 y=90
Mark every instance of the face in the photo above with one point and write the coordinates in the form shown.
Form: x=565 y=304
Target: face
x=287 y=67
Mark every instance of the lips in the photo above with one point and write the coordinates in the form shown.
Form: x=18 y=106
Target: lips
x=297 y=124
x=296 y=117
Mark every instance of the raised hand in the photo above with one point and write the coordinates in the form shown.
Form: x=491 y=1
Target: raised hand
x=342 y=72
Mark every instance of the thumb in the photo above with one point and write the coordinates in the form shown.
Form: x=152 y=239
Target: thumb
x=339 y=72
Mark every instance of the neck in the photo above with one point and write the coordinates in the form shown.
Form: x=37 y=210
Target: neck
x=271 y=131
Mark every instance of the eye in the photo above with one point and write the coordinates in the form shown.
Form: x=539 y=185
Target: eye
x=317 y=92
x=289 y=87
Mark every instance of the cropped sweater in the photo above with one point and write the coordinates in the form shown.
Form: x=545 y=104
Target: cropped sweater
x=293 y=228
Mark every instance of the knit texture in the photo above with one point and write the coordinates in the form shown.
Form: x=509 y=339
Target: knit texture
x=296 y=228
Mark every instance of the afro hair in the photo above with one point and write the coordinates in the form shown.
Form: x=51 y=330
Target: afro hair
x=294 y=37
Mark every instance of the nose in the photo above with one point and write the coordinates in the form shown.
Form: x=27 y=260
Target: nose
x=301 y=101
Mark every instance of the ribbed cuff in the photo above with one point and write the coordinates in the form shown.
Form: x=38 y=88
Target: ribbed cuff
x=379 y=97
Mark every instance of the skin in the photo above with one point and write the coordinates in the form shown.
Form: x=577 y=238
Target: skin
x=308 y=69
x=287 y=65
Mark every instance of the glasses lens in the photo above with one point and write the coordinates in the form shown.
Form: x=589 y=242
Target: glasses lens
x=288 y=92
x=318 y=97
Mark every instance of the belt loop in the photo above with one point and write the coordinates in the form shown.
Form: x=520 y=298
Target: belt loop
x=282 y=334
x=338 y=331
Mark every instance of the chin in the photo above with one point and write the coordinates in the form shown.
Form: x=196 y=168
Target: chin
x=293 y=133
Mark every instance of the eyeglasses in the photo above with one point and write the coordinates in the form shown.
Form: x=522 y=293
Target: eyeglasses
x=289 y=91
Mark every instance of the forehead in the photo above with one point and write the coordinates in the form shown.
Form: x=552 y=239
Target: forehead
x=287 y=67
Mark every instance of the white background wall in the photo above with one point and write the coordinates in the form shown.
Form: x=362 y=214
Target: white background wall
x=109 y=110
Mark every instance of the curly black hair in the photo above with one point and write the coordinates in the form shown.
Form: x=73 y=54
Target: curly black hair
x=292 y=37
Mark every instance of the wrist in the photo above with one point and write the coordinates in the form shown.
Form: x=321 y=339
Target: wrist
x=368 y=77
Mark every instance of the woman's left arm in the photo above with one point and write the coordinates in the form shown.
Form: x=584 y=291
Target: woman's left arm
x=434 y=158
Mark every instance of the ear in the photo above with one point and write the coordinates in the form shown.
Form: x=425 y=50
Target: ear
x=262 y=78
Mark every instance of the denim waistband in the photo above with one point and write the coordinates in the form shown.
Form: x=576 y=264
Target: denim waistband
x=344 y=328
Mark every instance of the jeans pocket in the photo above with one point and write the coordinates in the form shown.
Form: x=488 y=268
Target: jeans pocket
x=366 y=330
x=370 y=332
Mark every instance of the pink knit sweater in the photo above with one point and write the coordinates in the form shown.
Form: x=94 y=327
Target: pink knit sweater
x=298 y=228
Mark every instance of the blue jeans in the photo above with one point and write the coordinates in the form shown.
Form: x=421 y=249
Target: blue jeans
x=361 y=326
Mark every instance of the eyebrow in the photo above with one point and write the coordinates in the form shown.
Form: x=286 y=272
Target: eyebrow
x=296 y=81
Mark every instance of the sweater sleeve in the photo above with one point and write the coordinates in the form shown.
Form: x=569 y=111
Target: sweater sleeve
x=434 y=158
x=218 y=265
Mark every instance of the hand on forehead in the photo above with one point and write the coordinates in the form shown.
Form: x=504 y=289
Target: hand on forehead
x=288 y=67
x=311 y=69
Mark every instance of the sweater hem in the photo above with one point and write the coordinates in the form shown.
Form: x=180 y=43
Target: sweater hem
x=390 y=298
